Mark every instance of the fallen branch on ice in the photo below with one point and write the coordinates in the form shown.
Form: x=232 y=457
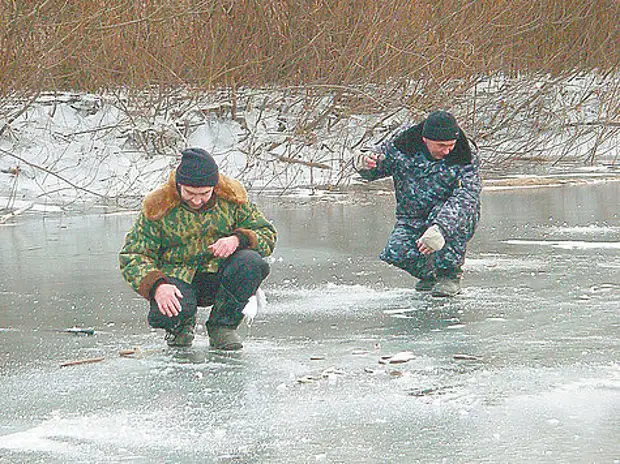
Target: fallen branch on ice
x=17 y=212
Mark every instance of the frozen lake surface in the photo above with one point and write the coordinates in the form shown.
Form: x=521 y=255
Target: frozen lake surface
x=522 y=367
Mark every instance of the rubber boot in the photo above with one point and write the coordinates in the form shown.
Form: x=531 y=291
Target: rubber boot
x=183 y=335
x=425 y=285
x=447 y=287
x=224 y=338
x=226 y=315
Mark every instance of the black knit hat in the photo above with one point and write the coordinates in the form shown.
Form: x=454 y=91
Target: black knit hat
x=440 y=125
x=197 y=169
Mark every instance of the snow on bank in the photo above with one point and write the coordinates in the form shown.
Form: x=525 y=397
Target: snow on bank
x=63 y=150
x=556 y=180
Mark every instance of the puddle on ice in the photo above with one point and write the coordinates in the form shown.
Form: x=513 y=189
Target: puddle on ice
x=521 y=367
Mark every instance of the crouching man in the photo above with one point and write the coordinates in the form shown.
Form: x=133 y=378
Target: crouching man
x=437 y=186
x=198 y=241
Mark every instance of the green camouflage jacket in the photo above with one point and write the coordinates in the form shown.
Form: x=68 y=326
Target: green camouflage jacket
x=169 y=239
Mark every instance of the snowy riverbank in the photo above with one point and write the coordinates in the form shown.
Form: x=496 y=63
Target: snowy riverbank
x=67 y=151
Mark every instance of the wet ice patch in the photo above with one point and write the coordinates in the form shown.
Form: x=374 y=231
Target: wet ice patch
x=567 y=244
x=575 y=405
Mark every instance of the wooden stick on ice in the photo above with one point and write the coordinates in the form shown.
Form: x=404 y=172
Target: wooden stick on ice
x=82 y=361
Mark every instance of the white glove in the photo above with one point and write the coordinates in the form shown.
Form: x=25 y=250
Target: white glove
x=433 y=238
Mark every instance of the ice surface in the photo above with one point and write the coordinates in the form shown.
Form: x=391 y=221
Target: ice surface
x=522 y=367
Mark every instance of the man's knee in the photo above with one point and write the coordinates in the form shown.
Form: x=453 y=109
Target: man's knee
x=246 y=263
x=411 y=261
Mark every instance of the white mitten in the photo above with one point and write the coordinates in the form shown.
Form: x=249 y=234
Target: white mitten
x=255 y=304
x=433 y=238
x=261 y=300
x=360 y=160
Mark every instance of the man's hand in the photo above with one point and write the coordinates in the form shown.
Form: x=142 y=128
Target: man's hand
x=423 y=248
x=167 y=299
x=366 y=160
x=225 y=246
x=432 y=240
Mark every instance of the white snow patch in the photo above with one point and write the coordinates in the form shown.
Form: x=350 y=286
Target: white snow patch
x=609 y=265
x=72 y=435
x=567 y=244
x=34 y=439
x=18 y=204
x=500 y=262
x=328 y=298
x=593 y=229
x=123 y=213
x=495 y=188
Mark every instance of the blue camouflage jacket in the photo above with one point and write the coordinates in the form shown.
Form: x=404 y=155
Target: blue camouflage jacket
x=428 y=191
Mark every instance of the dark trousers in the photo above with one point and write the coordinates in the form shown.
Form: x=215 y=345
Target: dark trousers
x=228 y=290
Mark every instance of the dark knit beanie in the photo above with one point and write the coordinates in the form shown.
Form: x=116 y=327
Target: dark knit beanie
x=197 y=169
x=440 y=125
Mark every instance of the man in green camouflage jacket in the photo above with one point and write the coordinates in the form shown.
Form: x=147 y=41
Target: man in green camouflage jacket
x=198 y=241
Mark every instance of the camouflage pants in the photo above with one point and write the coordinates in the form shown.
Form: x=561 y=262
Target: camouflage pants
x=228 y=290
x=402 y=251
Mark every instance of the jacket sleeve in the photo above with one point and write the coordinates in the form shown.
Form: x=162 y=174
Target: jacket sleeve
x=139 y=256
x=260 y=233
x=385 y=162
x=459 y=215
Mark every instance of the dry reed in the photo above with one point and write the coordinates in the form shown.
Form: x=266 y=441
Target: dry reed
x=91 y=45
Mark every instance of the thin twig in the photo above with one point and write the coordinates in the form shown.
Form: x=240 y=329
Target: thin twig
x=82 y=361
x=36 y=166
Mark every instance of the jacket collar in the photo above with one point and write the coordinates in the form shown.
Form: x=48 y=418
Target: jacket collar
x=164 y=198
x=410 y=142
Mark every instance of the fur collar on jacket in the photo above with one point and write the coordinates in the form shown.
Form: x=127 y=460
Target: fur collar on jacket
x=410 y=142
x=164 y=198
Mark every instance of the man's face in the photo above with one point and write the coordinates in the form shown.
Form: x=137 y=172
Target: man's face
x=196 y=197
x=439 y=149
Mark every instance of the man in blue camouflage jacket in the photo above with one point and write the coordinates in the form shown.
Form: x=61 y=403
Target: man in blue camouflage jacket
x=437 y=186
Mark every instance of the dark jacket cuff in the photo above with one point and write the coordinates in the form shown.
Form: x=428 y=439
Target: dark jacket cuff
x=247 y=239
